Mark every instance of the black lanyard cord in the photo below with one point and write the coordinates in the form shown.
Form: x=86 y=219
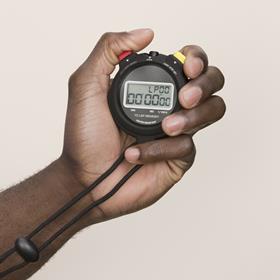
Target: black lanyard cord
x=28 y=250
x=13 y=269
x=78 y=197
x=67 y=206
x=90 y=207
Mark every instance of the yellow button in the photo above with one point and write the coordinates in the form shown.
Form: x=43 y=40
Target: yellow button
x=180 y=57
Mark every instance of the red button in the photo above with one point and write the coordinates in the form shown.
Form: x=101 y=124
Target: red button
x=124 y=54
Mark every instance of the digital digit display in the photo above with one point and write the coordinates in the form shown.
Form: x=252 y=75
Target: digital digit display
x=148 y=95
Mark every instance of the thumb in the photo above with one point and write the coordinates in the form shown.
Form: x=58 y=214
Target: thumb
x=104 y=56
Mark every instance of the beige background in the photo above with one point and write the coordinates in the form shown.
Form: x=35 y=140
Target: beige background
x=222 y=220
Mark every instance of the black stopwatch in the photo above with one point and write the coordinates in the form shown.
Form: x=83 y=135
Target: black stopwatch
x=145 y=91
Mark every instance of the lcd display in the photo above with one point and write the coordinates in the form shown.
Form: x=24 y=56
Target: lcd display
x=148 y=95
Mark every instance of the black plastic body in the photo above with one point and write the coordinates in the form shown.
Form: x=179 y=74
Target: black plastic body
x=170 y=65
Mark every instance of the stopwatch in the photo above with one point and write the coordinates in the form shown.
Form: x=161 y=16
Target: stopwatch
x=145 y=91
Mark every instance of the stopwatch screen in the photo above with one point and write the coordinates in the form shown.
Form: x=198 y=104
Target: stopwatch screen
x=148 y=95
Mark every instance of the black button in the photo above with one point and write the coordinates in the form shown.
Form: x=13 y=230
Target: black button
x=153 y=53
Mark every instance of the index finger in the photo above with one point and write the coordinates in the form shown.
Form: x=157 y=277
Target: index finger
x=196 y=61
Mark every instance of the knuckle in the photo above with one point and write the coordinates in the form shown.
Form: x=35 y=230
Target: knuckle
x=191 y=118
x=184 y=162
x=75 y=82
x=108 y=39
x=184 y=146
x=190 y=147
x=188 y=143
x=218 y=76
x=72 y=81
x=107 y=36
x=112 y=38
x=220 y=106
x=112 y=41
x=191 y=158
x=75 y=78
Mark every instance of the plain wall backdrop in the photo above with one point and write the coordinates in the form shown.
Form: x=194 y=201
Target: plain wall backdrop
x=222 y=220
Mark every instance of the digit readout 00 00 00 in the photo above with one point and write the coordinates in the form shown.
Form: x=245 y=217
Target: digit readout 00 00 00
x=148 y=95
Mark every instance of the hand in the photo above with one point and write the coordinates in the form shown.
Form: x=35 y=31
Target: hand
x=93 y=142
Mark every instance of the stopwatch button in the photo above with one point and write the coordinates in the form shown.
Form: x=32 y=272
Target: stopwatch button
x=180 y=57
x=153 y=53
x=124 y=54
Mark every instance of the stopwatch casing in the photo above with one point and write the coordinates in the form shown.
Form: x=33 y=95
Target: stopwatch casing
x=145 y=91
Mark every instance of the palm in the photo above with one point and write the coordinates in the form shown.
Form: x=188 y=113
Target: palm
x=93 y=142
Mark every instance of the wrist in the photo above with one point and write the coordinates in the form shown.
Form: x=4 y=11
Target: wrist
x=73 y=185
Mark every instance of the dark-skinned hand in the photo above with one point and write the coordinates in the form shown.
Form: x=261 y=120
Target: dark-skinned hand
x=93 y=141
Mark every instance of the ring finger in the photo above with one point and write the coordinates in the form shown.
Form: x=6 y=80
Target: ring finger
x=189 y=121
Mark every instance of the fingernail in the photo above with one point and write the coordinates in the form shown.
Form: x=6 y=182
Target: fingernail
x=195 y=66
x=174 y=125
x=132 y=154
x=191 y=96
x=140 y=30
